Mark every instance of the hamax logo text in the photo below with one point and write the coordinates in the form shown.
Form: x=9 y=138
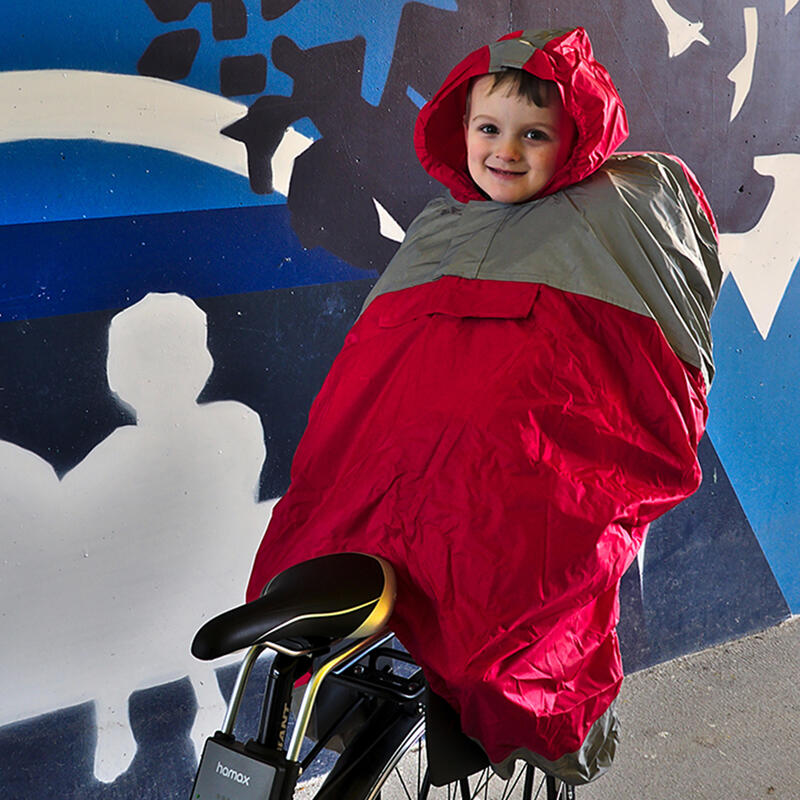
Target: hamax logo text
x=227 y=772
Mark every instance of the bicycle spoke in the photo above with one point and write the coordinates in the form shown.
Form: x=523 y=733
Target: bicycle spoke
x=526 y=783
x=483 y=781
x=419 y=767
x=539 y=788
x=405 y=789
x=509 y=787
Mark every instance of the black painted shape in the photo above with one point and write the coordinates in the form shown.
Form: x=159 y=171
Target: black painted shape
x=272 y=9
x=272 y=351
x=161 y=720
x=320 y=222
x=705 y=580
x=52 y=756
x=228 y=19
x=356 y=159
x=55 y=400
x=261 y=131
x=317 y=79
x=366 y=151
x=171 y=55
x=239 y=75
x=171 y=10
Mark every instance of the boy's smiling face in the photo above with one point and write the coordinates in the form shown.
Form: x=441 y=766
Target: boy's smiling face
x=513 y=146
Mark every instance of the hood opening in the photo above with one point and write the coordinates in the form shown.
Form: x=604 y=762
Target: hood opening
x=564 y=57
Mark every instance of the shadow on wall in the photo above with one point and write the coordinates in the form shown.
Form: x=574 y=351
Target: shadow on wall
x=153 y=531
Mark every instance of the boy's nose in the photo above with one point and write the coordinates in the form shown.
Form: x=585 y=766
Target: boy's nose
x=507 y=151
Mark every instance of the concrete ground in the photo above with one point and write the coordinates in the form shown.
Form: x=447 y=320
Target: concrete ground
x=722 y=724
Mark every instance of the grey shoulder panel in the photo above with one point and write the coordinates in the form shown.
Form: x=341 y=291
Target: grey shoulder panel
x=646 y=217
x=632 y=235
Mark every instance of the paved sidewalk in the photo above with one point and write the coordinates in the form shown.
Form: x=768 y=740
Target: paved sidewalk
x=723 y=724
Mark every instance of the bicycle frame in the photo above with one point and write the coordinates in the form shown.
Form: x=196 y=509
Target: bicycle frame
x=264 y=768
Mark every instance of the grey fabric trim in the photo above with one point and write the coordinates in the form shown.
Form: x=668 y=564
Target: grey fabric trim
x=515 y=53
x=633 y=235
x=592 y=759
x=510 y=53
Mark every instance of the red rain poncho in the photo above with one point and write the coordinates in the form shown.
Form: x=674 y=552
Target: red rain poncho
x=522 y=394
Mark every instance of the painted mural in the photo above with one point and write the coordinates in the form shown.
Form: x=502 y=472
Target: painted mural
x=197 y=196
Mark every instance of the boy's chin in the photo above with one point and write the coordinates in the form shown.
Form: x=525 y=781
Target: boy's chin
x=502 y=197
x=510 y=198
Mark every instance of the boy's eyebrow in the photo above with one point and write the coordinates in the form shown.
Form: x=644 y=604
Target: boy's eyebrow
x=537 y=124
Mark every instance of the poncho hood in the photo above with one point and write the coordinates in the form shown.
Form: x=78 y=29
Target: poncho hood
x=563 y=56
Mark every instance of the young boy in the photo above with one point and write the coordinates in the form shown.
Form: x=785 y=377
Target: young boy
x=523 y=393
x=517 y=135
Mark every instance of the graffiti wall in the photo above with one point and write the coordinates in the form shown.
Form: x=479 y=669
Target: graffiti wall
x=196 y=197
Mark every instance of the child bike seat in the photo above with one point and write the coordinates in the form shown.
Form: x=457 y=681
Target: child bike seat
x=312 y=604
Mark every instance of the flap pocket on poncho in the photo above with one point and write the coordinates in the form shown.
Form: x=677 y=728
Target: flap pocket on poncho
x=457 y=297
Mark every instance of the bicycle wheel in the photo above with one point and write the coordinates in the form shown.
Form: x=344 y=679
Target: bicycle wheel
x=387 y=760
x=402 y=775
x=404 y=778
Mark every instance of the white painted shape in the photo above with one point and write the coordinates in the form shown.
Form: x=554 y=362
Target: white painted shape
x=105 y=576
x=790 y=4
x=292 y=145
x=762 y=260
x=211 y=707
x=133 y=109
x=389 y=227
x=126 y=109
x=116 y=745
x=742 y=73
x=640 y=559
x=681 y=33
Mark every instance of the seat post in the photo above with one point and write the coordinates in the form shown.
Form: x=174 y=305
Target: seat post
x=283 y=672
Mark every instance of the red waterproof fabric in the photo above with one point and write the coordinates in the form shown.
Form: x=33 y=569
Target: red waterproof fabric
x=507 y=466
x=504 y=445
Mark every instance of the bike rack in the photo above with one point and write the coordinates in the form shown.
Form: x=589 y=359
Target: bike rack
x=342 y=659
x=310 y=696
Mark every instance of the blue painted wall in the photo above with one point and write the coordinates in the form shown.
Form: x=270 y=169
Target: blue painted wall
x=97 y=211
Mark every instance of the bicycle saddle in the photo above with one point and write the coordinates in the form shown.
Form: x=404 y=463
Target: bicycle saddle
x=339 y=596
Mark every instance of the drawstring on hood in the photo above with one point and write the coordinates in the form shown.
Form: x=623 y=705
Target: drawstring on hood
x=562 y=56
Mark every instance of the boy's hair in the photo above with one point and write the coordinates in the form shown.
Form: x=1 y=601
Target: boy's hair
x=537 y=91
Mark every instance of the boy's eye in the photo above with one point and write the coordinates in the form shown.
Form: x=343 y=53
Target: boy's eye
x=537 y=135
x=487 y=127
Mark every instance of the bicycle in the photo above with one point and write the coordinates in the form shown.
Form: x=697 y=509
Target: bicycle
x=366 y=697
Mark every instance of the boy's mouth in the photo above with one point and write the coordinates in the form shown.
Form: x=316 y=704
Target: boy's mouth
x=504 y=173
